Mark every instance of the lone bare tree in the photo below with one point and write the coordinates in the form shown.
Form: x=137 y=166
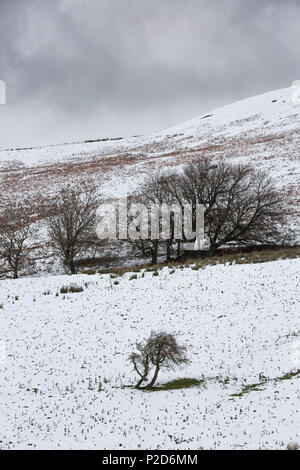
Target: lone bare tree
x=16 y=230
x=71 y=225
x=141 y=363
x=160 y=351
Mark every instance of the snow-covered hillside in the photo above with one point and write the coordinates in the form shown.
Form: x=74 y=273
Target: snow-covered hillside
x=63 y=382
x=264 y=130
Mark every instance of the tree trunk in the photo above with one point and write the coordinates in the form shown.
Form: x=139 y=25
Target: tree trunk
x=142 y=379
x=168 y=252
x=212 y=250
x=72 y=267
x=16 y=269
x=150 y=385
x=178 y=249
x=69 y=263
x=154 y=252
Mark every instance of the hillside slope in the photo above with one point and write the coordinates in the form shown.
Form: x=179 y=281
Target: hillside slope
x=263 y=130
x=67 y=359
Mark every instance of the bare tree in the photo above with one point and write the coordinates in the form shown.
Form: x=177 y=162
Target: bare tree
x=141 y=363
x=160 y=351
x=71 y=226
x=241 y=204
x=16 y=231
x=155 y=192
x=145 y=248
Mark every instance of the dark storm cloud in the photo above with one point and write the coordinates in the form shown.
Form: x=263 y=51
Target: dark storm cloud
x=84 y=68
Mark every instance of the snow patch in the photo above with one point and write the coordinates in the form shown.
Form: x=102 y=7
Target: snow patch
x=63 y=384
x=296 y=95
x=296 y=84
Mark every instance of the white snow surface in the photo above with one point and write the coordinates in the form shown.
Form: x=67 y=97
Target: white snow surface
x=273 y=110
x=275 y=106
x=237 y=322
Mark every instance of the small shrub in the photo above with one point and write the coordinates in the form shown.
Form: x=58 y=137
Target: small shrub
x=293 y=446
x=90 y=272
x=197 y=267
x=73 y=288
x=134 y=276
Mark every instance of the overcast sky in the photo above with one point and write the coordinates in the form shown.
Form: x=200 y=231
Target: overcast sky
x=78 y=69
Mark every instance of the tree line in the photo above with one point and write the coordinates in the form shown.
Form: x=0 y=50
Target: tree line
x=242 y=206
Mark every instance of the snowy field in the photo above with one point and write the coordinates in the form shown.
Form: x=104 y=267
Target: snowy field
x=63 y=383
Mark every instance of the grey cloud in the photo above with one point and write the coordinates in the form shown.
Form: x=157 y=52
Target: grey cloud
x=81 y=68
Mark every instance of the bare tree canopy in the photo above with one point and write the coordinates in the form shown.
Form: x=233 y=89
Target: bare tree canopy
x=155 y=191
x=71 y=226
x=241 y=204
x=16 y=230
x=160 y=351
